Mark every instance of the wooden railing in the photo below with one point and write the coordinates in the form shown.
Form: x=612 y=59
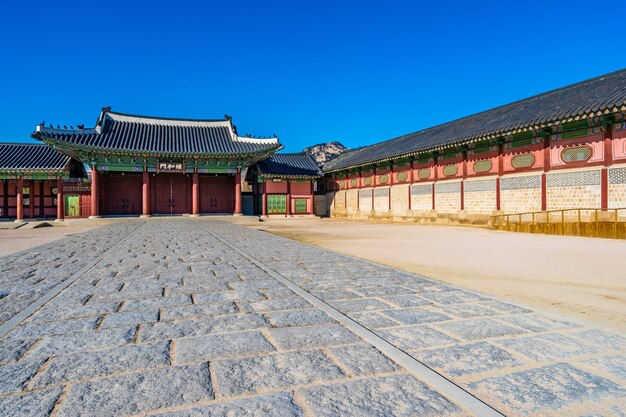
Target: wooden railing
x=592 y=222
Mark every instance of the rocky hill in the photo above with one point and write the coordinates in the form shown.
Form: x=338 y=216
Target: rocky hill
x=323 y=152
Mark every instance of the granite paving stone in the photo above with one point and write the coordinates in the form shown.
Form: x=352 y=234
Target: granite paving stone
x=596 y=337
x=536 y=323
x=466 y=310
x=31 y=404
x=298 y=317
x=54 y=313
x=198 y=327
x=278 y=371
x=197 y=311
x=414 y=337
x=274 y=305
x=359 y=304
x=363 y=359
x=415 y=316
x=545 y=347
x=216 y=297
x=613 y=365
x=12 y=351
x=13 y=378
x=553 y=387
x=399 y=396
x=476 y=329
x=330 y=295
x=372 y=320
x=311 y=336
x=129 y=317
x=102 y=363
x=466 y=359
x=38 y=330
x=281 y=404
x=136 y=393
x=410 y=300
x=452 y=297
x=155 y=303
x=202 y=348
x=280 y=293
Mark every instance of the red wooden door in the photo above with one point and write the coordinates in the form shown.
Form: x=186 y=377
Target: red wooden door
x=217 y=194
x=122 y=193
x=171 y=194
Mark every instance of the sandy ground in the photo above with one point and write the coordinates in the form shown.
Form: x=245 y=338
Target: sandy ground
x=582 y=278
x=16 y=240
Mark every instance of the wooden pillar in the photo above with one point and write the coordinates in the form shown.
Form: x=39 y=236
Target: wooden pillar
x=288 y=205
x=462 y=195
x=60 y=200
x=436 y=168
x=95 y=210
x=5 y=198
x=145 y=194
x=264 y=200
x=310 y=201
x=498 y=193
x=42 y=212
x=238 y=211
x=546 y=169
x=31 y=199
x=20 y=200
x=195 y=196
x=608 y=160
x=500 y=173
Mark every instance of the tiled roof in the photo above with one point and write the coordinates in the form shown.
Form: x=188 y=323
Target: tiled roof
x=584 y=99
x=289 y=165
x=122 y=132
x=31 y=157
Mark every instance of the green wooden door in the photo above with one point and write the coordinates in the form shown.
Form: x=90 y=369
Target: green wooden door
x=72 y=205
x=276 y=203
x=300 y=204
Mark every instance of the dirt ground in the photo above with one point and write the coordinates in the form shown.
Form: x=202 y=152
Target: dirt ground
x=582 y=278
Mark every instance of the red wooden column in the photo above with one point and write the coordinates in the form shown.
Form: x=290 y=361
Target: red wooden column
x=195 y=195
x=436 y=168
x=500 y=173
x=60 y=200
x=20 y=200
x=608 y=161
x=264 y=200
x=546 y=169
x=238 y=211
x=95 y=212
x=145 y=194
x=31 y=199
x=288 y=206
x=41 y=200
x=309 y=202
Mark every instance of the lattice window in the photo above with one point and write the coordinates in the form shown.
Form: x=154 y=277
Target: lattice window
x=276 y=203
x=421 y=189
x=483 y=185
x=617 y=176
x=354 y=182
x=383 y=179
x=450 y=170
x=576 y=154
x=447 y=187
x=402 y=176
x=571 y=179
x=423 y=173
x=482 y=166
x=523 y=161
x=300 y=205
x=367 y=181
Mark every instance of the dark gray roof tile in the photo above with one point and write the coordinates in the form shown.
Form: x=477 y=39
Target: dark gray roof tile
x=289 y=165
x=31 y=157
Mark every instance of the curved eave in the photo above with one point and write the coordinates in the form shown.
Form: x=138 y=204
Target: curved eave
x=474 y=138
x=60 y=144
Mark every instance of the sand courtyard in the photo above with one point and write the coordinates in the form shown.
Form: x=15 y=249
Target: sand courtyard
x=205 y=317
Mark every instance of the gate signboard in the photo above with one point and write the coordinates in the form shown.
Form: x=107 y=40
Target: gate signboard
x=171 y=167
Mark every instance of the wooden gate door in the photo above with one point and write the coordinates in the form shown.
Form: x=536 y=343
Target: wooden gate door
x=72 y=205
x=122 y=193
x=216 y=194
x=171 y=194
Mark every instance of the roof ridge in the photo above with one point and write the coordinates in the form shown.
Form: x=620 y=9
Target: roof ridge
x=139 y=116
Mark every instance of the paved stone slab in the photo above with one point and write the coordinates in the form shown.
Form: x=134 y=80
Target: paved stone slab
x=129 y=317
x=13 y=378
x=452 y=297
x=613 y=365
x=38 y=330
x=278 y=371
x=298 y=317
x=466 y=359
x=102 y=363
x=400 y=396
x=199 y=327
x=32 y=404
x=283 y=293
x=312 y=336
x=216 y=297
x=12 y=351
x=281 y=404
x=415 y=316
x=382 y=290
x=330 y=295
x=136 y=393
x=414 y=337
x=536 y=323
x=155 y=303
x=274 y=305
x=466 y=311
x=546 y=347
x=411 y=300
x=553 y=387
x=477 y=329
x=372 y=320
x=60 y=345
x=54 y=313
x=505 y=307
x=198 y=311
x=601 y=338
x=203 y=348
x=364 y=360
x=360 y=304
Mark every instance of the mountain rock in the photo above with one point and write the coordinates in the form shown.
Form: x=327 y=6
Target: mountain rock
x=324 y=152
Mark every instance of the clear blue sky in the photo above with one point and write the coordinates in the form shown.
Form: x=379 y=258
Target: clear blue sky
x=316 y=71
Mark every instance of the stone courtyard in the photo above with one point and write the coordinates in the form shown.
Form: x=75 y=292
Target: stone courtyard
x=202 y=317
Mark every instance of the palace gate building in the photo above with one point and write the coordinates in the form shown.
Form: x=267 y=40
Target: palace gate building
x=558 y=150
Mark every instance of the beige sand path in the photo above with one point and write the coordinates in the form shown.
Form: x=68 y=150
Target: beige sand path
x=583 y=278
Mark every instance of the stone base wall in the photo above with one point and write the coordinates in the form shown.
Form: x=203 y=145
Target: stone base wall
x=520 y=194
x=381 y=200
x=576 y=189
x=480 y=196
x=340 y=201
x=617 y=188
x=448 y=197
x=365 y=200
x=422 y=197
x=352 y=200
x=400 y=198
x=320 y=207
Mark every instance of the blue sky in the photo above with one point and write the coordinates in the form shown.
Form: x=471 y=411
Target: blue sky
x=310 y=72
